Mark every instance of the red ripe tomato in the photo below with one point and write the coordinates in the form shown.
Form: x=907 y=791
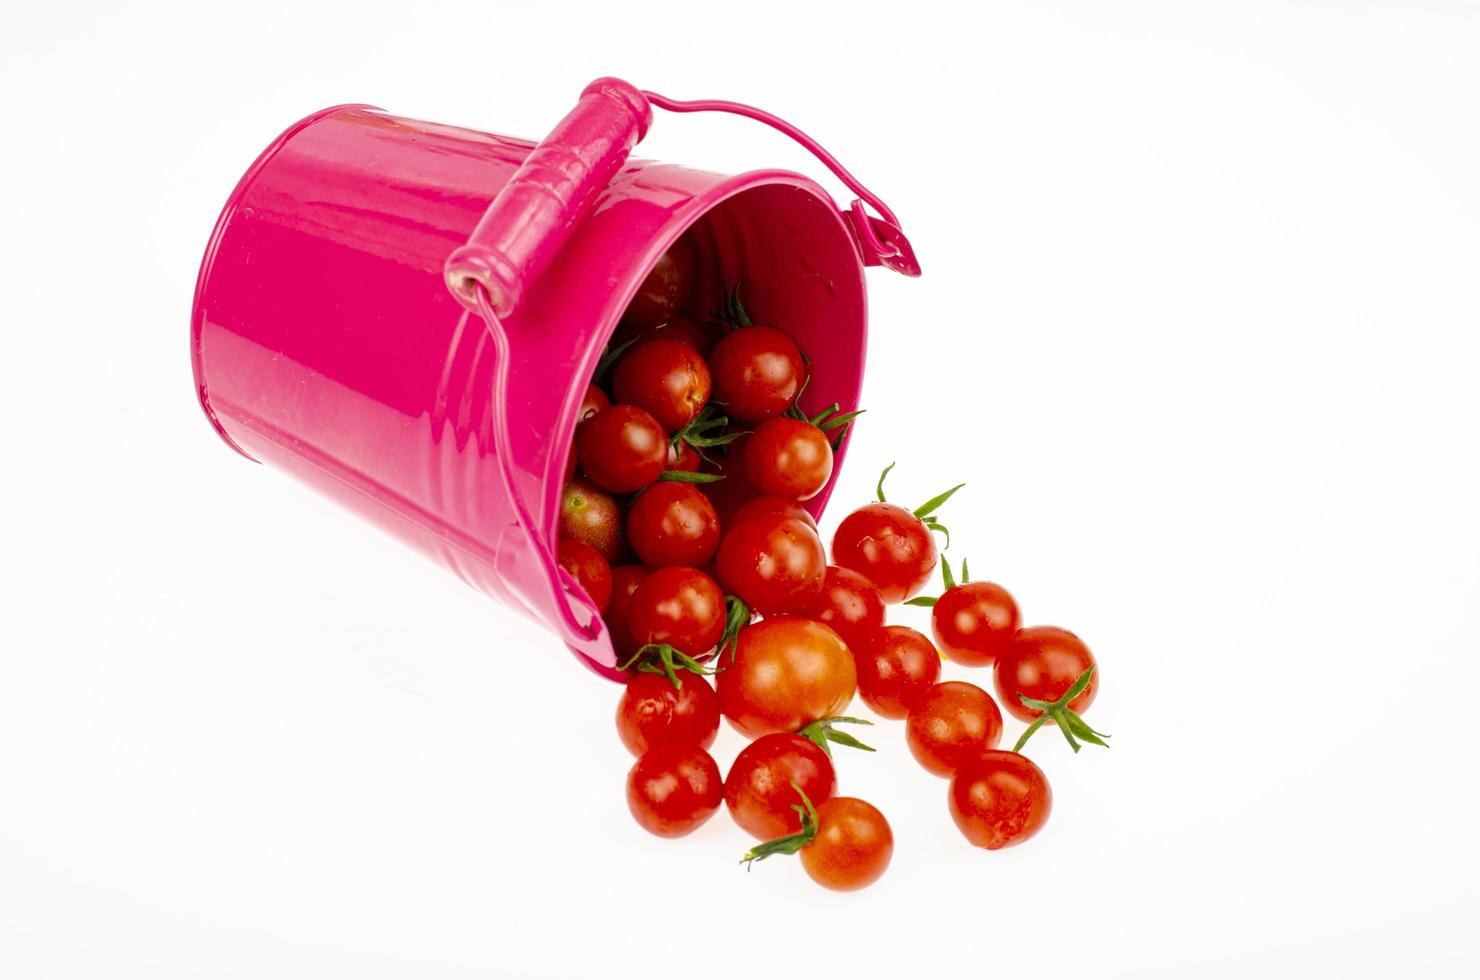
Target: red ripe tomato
x=622 y=448
x=594 y=401
x=666 y=378
x=673 y=524
x=788 y=458
x=681 y=607
x=953 y=723
x=570 y=463
x=758 y=373
x=889 y=546
x=756 y=506
x=776 y=564
x=625 y=580
x=589 y=569
x=853 y=845
x=787 y=673
x=665 y=289
x=974 y=622
x=683 y=457
x=673 y=789
x=759 y=790
x=590 y=514
x=1000 y=799
x=848 y=603
x=653 y=712
x=1042 y=662
x=897 y=667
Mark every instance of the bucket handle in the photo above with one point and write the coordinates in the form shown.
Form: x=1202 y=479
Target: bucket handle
x=881 y=240
x=534 y=214
x=572 y=629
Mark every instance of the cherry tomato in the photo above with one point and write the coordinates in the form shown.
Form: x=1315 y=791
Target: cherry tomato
x=622 y=448
x=897 y=667
x=1000 y=799
x=953 y=723
x=594 y=402
x=974 y=622
x=787 y=673
x=758 y=372
x=759 y=789
x=683 y=457
x=666 y=378
x=673 y=789
x=590 y=514
x=889 y=546
x=788 y=458
x=618 y=616
x=589 y=569
x=653 y=712
x=1041 y=663
x=673 y=524
x=681 y=607
x=850 y=604
x=570 y=463
x=756 y=506
x=665 y=289
x=776 y=564
x=852 y=847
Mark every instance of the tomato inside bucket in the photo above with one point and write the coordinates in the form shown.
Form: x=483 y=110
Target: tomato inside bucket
x=761 y=280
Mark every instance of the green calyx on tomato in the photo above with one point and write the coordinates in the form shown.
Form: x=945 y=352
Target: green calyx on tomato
x=829 y=419
x=1074 y=727
x=946 y=577
x=791 y=843
x=662 y=658
x=737 y=617
x=609 y=357
x=821 y=732
x=707 y=430
x=926 y=511
x=733 y=316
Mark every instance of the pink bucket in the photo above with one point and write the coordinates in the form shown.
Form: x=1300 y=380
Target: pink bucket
x=406 y=315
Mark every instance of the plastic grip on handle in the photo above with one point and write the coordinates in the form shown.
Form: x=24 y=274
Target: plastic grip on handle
x=534 y=214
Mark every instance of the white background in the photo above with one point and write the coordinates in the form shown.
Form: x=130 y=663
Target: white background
x=1198 y=327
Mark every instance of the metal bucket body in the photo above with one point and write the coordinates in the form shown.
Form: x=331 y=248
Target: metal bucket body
x=325 y=340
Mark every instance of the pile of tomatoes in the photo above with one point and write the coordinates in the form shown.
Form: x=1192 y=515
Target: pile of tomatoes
x=681 y=407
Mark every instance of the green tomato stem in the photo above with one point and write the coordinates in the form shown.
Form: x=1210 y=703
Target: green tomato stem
x=791 y=843
x=662 y=658
x=821 y=732
x=1059 y=712
x=880 y=491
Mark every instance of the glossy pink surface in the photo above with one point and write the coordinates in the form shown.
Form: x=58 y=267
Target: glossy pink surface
x=326 y=341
